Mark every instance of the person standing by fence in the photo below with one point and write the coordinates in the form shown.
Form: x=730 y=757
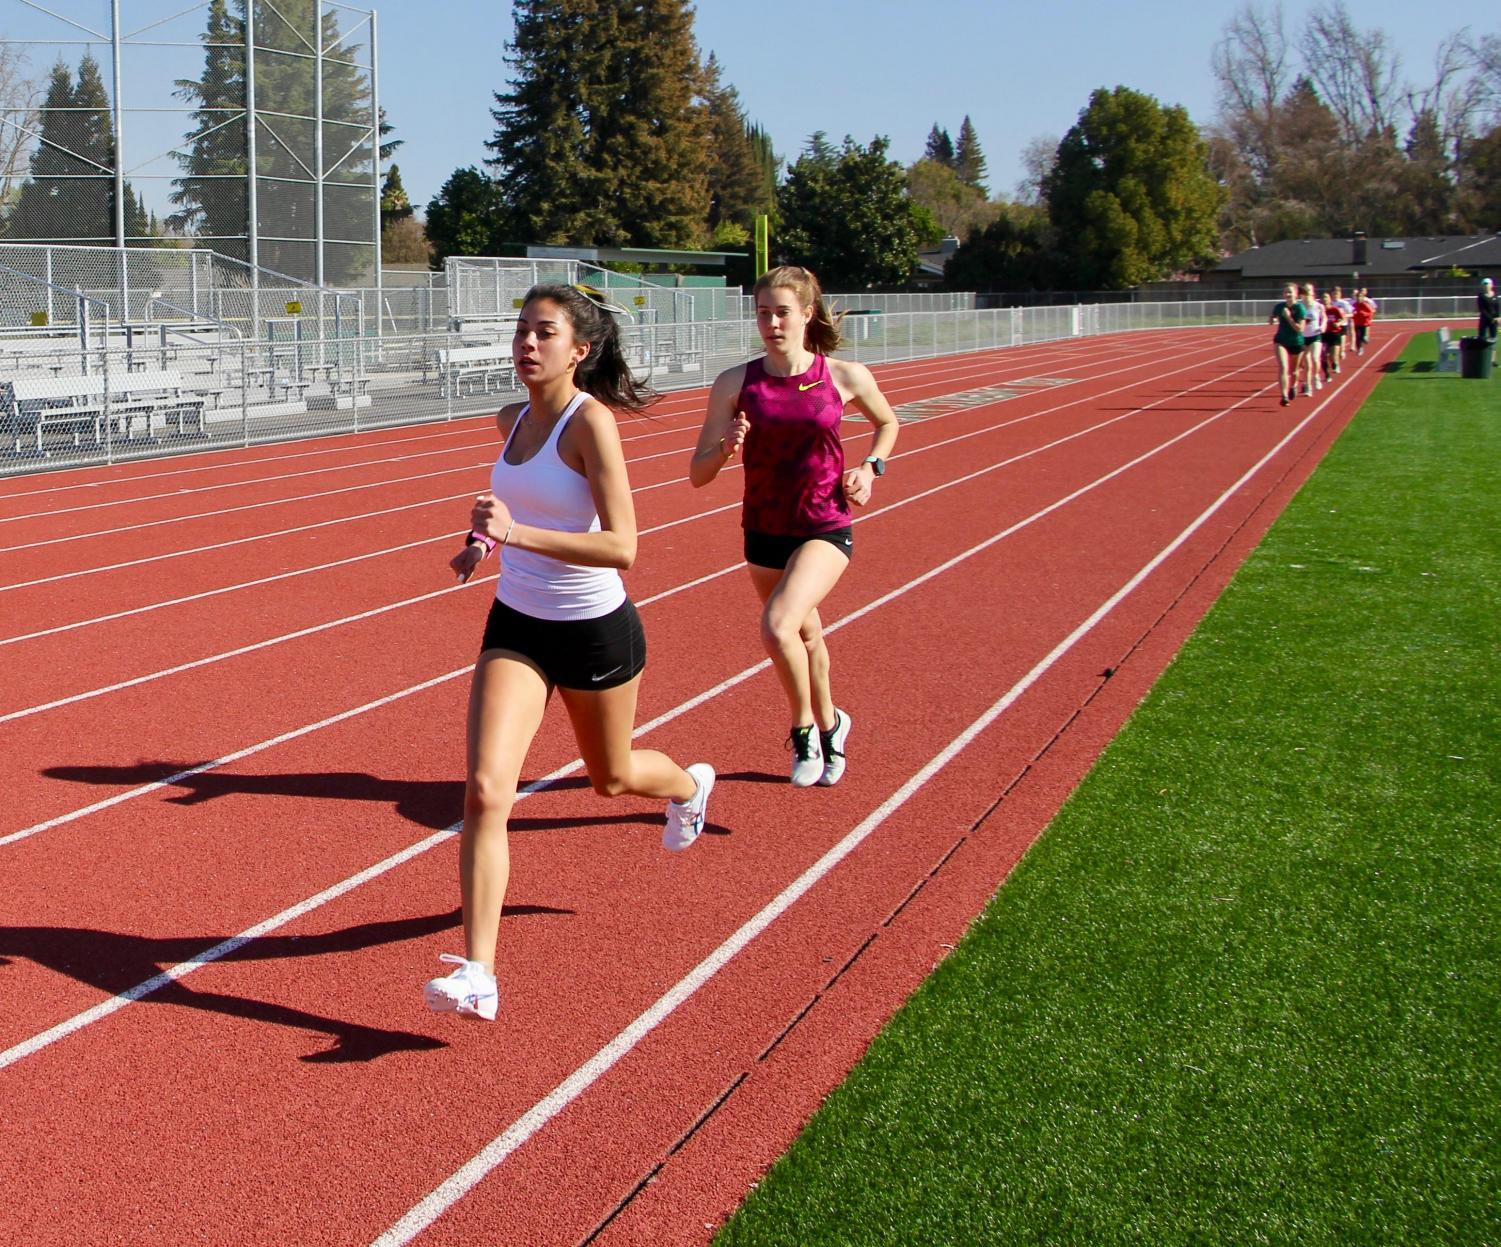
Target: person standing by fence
x=1489 y=304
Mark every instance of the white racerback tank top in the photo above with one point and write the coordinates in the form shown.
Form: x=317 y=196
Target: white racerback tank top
x=545 y=492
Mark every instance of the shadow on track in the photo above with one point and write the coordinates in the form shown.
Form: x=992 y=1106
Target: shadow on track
x=435 y=804
x=114 y=963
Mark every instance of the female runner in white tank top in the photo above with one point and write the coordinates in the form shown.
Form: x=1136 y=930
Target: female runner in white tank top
x=560 y=511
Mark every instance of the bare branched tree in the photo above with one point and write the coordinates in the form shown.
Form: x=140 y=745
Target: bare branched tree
x=1356 y=73
x=1250 y=64
x=20 y=94
x=1455 y=99
x=1485 y=56
x=1038 y=158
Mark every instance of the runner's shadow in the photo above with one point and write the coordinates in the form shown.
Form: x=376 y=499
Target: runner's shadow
x=134 y=966
x=436 y=804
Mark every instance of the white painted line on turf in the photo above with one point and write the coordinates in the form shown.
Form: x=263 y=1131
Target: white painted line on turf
x=468 y=1176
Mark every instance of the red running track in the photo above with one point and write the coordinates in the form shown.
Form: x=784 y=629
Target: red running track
x=233 y=711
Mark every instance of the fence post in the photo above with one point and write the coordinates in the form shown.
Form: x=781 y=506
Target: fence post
x=244 y=393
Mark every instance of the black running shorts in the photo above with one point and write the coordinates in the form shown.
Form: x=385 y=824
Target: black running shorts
x=770 y=550
x=588 y=654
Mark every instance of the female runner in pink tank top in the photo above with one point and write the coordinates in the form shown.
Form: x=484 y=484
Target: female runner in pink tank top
x=781 y=415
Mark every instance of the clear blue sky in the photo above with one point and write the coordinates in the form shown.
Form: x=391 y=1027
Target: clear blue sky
x=868 y=67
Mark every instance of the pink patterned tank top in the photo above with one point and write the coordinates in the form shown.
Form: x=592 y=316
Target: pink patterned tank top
x=794 y=460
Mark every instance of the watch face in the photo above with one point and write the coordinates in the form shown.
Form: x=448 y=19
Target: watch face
x=878 y=466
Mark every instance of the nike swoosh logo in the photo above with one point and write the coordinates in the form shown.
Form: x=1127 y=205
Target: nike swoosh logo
x=810 y=385
x=607 y=674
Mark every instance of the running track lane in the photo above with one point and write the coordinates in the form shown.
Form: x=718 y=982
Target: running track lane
x=615 y=943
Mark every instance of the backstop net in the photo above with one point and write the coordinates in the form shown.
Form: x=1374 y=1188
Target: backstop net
x=245 y=127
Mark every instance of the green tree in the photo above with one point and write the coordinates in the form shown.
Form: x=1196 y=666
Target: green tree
x=394 y=204
x=969 y=160
x=70 y=195
x=939 y=148
x=286 y=201
x=44 y=207
x=1014 y=252
x=599 y=140
x=1131 y=198
x=738 y=189
x=210 y=196
x=956 y=206
x=1481 y=189
x=465 y=217
x=768 y=165
x=849 y=218
x=1426 y=193
x=820 y=151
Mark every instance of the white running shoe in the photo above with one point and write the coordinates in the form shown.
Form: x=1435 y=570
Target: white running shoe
x=832 y=743
x=469 y=991
x=807 y=756
x=685 y=819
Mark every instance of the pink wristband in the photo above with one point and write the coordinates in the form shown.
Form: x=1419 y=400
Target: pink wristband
x=488 y=542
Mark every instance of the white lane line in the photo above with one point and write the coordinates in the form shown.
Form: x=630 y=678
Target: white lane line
x=314 y=629
x=638 y=489
x=51 y=541
x=170 y=781
x=218 y=486
x=469 y=1175
x=569 y=1090
x=475 y=1170
x=145 y=789
x=256 y=506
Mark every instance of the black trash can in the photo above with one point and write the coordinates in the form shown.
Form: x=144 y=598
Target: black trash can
x=1475 y=357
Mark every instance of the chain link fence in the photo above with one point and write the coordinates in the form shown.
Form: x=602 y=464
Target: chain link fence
x=87 y=386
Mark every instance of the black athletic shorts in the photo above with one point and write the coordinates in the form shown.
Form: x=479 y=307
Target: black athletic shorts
x=1331 y=340
x=770 y=550
x=1291 y=350
x=590 y=654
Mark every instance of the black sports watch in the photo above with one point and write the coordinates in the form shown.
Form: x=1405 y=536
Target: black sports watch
x=878 y=466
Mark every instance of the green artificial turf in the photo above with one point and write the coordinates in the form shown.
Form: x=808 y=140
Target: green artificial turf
x=1246 y=988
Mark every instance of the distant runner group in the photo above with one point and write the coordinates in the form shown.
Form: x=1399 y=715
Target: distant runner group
x=1311 y=334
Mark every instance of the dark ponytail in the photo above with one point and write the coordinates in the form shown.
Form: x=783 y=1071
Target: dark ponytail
x=604 y=373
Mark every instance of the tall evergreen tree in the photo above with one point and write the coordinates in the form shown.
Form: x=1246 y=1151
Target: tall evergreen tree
x=969 y=160
x=767 y=162
x=737 y=187
x=394 y=203
x=71 y=191
x=210 y=195
x=94 y=196
x=464 y=217
x=599 y=140
x=939 y=148
x=1427 y=195
x=820 y=151
x=45 y=206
